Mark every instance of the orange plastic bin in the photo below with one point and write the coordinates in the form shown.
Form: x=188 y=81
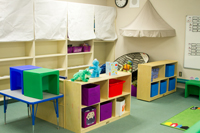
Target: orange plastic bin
x=115 y=87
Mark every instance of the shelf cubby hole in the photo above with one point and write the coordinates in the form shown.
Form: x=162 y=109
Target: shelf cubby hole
x=103 y=90
x=97 y=116
x=52 y=62
x=108 y=110
x=127 y=99
x=126 y=84
x=16 y=49
x=50 y=47
x=170 y=70
x=78 y=43
x=154 y=89
x=163 y=87
x=80 y=60
x=160 y=72
x=104 y=51
x=171 y=84
x=5 y=66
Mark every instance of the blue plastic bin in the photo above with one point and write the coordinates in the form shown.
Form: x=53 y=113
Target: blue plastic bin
x=163 y=87
x=16 y=76
x=172 y=83
x=169 y=70
x=154 y=89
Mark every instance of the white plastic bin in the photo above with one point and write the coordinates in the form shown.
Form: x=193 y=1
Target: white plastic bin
x=120 y=106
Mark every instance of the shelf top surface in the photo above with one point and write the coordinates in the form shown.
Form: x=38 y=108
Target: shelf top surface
x=103 y=77
x=157 y=63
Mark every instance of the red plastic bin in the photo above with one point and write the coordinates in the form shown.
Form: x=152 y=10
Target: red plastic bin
x=115 y=87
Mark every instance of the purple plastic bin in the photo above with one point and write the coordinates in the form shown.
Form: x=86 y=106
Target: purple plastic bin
x=90 y=94
x=88 y=116
x=86 y=48
x=133 y=91
x=77 y=49
x=105 y=111
x=70 y=49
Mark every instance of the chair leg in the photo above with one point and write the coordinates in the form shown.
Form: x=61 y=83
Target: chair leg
x=186 y=91
x=199 y=94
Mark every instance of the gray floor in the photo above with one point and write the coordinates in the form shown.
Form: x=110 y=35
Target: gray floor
x=145 y=117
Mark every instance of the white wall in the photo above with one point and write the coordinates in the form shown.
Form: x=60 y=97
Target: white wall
x=174 y=13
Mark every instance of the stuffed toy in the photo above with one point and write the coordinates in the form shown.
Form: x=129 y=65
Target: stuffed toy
x=96 y=69
x=83 y=75
x=127 y=67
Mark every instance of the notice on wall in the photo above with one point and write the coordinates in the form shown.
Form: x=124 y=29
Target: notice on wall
x=192 y=42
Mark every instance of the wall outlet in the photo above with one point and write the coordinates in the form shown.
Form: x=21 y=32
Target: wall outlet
x=180 y=74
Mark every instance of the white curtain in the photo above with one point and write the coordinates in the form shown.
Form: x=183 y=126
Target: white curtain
x=80 y=21
x=105 y=23
x=16 y=20
x=50 y=20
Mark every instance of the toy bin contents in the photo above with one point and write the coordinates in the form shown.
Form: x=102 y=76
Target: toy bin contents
x=115 y=87
x=133 y=91
x=70 y=48
x=163 y=86
x=154 y=73
x=154 y=89
x=90 y=94
x=86 y=47
x=96 y=69
x=88 y=116
x=111 y=68
x=105 y=110
x=16 y=76
x=169 y=70
x=120 y=106
x=172 y=84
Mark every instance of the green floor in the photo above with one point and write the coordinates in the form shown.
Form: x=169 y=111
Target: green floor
x=145 y=117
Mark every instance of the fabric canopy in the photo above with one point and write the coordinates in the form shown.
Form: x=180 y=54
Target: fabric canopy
x=148 y=24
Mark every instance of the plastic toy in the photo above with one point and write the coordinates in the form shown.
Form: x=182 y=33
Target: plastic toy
x=127 y=67
x=96 y=69
x=83 y=75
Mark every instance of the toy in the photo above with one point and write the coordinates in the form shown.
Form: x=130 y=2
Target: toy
x=111 y=68
x=96 y=69
x=127 y=67
x=83 y=75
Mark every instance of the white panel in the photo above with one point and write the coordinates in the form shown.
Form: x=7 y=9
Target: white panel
x=50 y=20
x=80 y=21
x=192 y=42
x=105 y=23
x=16 y=20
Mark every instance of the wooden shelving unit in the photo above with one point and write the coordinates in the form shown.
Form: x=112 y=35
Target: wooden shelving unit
x=73 y=120
x=144 y=79
x=51 y=54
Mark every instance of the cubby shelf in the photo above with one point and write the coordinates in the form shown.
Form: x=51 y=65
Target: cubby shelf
x=74 y=88
x=76 y=67
x=81 y=53
x=16 y=58
x=144 y=83
x=52 y=54
x=5 y=77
